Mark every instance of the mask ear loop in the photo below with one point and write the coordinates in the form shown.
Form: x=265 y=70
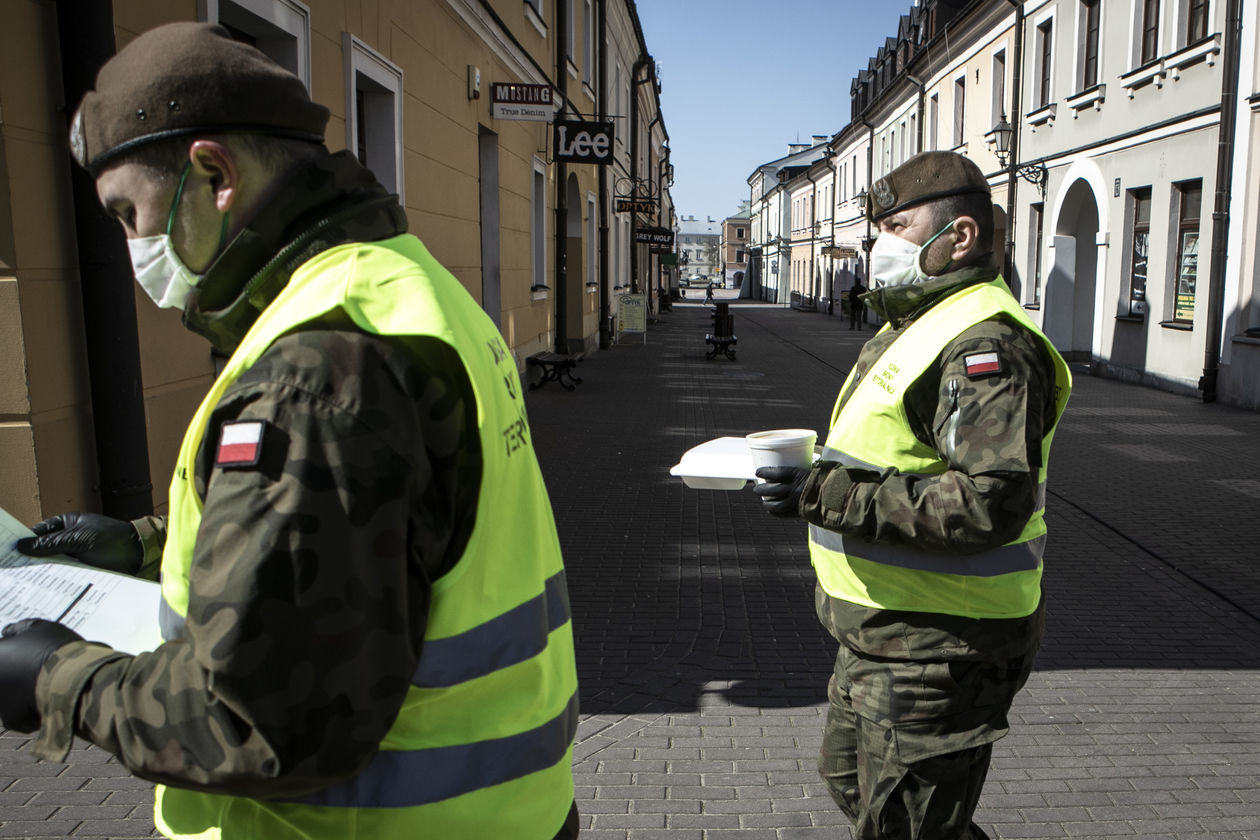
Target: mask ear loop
x=923 y=248
x=179 y=191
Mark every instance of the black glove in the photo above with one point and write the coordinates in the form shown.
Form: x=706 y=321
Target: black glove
x=781 y=492
x=24 y=646
x=89 y=538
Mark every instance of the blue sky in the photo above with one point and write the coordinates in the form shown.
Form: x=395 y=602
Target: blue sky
x=741 y=79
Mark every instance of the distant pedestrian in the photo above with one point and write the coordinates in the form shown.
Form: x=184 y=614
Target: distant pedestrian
x=926 y=512
x=708 y=294
x=857 y=309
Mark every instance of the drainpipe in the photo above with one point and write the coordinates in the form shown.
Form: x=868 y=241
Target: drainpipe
x=86 y=35
x=644 y=60
x=1017 y=86
x=1220 y=212
x=605 y=305
x=562 y=190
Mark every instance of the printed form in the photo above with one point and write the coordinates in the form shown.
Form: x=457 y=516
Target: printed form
x=118 y=610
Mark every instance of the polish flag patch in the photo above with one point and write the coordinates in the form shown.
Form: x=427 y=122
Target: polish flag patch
x=240 y=444
x=982 y=364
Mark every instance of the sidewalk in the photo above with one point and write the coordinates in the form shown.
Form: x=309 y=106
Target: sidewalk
x=703 y=669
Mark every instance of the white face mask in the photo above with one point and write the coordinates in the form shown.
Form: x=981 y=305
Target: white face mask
x=896 y=261
x=158 y=269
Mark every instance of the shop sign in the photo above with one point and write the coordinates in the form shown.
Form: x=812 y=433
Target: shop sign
x=661 y=237
x=839 y=252
x=521 y=101
x=577 y=141
x=636 y=205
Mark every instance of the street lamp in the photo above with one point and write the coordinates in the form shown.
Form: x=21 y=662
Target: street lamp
x=1033 y=173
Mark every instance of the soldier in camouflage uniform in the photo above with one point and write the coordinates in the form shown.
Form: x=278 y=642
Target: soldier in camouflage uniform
x=925 y=513
x=322 y=559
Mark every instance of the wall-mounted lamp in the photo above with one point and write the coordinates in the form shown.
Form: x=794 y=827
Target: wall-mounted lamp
x=1033 y=173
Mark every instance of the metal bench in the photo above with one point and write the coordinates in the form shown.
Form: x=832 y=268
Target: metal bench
x=722 y=340
x=555 y=367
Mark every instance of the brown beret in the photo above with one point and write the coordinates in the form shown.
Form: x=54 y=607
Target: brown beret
x=925 y=177
x=184 y=79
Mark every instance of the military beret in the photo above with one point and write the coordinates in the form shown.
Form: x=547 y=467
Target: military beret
x=925 y=177
x=184 y=79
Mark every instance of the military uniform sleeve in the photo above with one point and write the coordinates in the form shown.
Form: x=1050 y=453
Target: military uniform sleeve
x=310 y=581
x=152 y=533
x=986 y=423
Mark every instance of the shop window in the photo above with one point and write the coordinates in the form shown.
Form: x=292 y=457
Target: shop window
x=1189 y=197
x=374 y=107
x=280 y=29
x=1139 y=249
x=1035 y=224
x=538 y=227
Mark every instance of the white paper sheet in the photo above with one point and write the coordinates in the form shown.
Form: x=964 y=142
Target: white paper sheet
x=101 y=606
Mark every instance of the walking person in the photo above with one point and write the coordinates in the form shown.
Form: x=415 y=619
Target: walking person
x=364 y=609
x=857 y=309
x=925 y=512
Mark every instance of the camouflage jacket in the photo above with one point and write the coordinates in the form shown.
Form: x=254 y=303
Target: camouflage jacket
x=311 y=575
x=988 y=429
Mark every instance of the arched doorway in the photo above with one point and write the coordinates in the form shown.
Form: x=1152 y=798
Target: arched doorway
x=1072 y=284
x=575 y=264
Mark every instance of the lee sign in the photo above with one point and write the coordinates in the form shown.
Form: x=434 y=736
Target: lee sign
x=583 y=142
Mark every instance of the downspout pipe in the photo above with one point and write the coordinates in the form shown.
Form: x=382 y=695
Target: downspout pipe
x=562 y=191
x=642 y=61
x=1220 y=211
x=1017 y=97
x=605 y=305
x=86 y=36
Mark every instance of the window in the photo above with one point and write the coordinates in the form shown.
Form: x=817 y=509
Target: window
x=1139 y=256
x=1150 y=31
x=1089 y=43
x=588 y=43
x=892 y=153
x=281 y=29
x=998 y=107
x=374 y=129
x=913 y=136
x=1035 y=225
x=960 y=108
x=1189 y=206
x=592 y=246
x=1197 y=21
x=739 y=233
x=739 y=256
x=538 y=227
x=1045 y=55
x=934 y=120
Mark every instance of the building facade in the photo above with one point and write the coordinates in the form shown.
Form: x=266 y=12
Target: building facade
x=101 y=383
x=1120 y=143
x=733 y=247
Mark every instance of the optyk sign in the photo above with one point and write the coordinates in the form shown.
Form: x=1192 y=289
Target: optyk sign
x=583 y=142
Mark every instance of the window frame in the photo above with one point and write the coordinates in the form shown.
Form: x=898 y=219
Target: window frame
x=1148 y=32
x=1090 y=37
x=1186 y=226
x=1037 y=224
x=361 y=60
x=538 y=227
x=1139 y=231
x=1044 y=57
x=958 y=130
x=1197 y=11
x=266 y=19
x=997 y=86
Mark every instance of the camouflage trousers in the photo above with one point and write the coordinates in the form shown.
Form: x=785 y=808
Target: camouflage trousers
x=908 y=738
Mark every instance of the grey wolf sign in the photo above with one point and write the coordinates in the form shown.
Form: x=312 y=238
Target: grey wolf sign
x=663 y=237
x=583 y=142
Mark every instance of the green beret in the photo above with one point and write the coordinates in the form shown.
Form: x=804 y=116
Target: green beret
x=925 y=177
x=183 y=79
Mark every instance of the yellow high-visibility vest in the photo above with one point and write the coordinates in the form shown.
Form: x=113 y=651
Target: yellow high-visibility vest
x=482 y=746
x=872 y=431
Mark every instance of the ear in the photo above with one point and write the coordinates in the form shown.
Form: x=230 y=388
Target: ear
x=966 y=238
x=215 y=162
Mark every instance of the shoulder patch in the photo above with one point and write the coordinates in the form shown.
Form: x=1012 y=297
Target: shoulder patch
x=982 y=364
x=240 y=444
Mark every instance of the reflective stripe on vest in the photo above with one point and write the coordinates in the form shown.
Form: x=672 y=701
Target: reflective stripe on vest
x=871 y=430
x=406 y=778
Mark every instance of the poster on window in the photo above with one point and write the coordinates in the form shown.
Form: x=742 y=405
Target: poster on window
x=1187 y=276
x=1137 y=273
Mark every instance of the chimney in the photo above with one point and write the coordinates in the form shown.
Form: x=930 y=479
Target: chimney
x=793 y=148
x=819 y=139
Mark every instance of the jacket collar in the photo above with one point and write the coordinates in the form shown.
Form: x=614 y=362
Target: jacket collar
x=317 y=206
x=901 y=305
